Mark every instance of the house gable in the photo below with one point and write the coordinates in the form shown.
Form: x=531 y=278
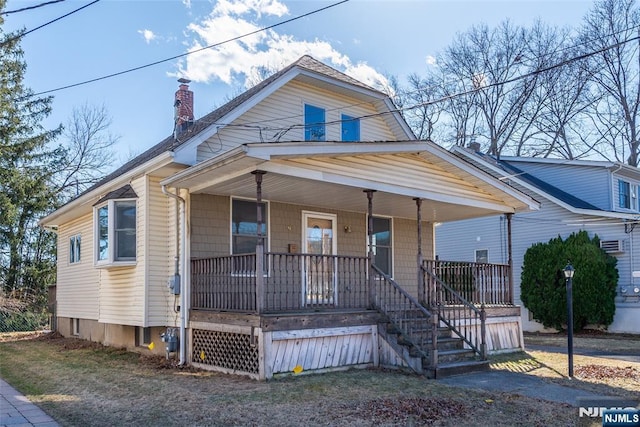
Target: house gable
x=273 y=111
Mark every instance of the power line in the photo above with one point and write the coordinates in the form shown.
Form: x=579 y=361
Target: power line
x=20 y=35
x=255 y=124
x=191 y=52
x=31 y=7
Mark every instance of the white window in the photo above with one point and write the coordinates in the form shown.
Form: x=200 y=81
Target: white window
x=143 y=336
x=244 y=226
x=74 y=249
x=75 y=326
x=482 y=255
x=115 y=228
x=627 y=195
x=382 y=242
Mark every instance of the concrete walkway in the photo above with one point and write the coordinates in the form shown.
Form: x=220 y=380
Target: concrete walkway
x=518 y=383
x=17 y=411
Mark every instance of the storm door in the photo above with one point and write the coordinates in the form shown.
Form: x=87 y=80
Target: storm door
x=319 y=243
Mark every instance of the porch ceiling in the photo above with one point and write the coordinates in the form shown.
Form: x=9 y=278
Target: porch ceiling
x=333 y=176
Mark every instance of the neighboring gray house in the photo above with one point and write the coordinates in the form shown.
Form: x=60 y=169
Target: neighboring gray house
x=600 y=197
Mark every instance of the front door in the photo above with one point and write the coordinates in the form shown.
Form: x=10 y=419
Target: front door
x=319 y=262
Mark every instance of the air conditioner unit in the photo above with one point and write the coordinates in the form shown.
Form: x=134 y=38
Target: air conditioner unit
x=612 y=246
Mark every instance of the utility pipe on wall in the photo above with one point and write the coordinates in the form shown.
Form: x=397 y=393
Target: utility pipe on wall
x=180 y=249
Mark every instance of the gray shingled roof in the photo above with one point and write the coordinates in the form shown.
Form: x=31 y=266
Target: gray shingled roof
x=170 y=143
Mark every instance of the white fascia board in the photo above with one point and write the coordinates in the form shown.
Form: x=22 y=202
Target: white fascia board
x=290 y=150
x=333 y=178
x=205 y=166
x=398 y=118
x=90 y=197
x=546 y=160
x=443 y=154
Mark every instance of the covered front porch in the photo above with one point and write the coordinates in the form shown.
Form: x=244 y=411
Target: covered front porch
x=322 y=287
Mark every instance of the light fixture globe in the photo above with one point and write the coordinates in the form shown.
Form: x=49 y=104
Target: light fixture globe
x=569 y=271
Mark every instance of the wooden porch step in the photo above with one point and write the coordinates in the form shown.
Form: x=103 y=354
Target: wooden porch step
x=455 y=355
x=457 y=368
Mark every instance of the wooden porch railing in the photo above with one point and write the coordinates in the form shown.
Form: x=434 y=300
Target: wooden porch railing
x=292 y=282
x=479 y=283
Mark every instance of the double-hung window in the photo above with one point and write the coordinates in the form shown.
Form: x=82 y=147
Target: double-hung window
x=382 y=242
x=624 y=194
x=74 y=249
x=628 y=195
x=244 y=226
x=115 y=229
x=350 y=128
x=314 y=123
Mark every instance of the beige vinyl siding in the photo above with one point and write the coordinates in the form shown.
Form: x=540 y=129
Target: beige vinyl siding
x=160 y=253
x=210 y=233
x=122 y=289
x=77 y=284
x=280 y=117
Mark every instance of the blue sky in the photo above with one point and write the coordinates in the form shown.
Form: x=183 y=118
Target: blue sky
x=365 y=38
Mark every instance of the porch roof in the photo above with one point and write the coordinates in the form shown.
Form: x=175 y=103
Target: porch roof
x=332 y=175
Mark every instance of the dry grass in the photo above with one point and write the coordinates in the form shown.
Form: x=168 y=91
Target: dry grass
x=81 y=384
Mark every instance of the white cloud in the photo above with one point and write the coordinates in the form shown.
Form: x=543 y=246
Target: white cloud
x=240 y=61
x=187 y=3
x=148 y=35
x=431 y=60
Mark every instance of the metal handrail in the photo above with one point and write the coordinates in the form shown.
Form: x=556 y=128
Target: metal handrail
x=461 y=316
x=414 y=321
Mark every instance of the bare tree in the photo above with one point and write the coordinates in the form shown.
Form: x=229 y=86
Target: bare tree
x=489 y=61
x=612 y=29
x=554 y=120
x=418 y=106
x=87 y=150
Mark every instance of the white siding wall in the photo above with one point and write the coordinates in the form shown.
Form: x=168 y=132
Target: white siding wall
x=161 y=250
x=457 y=241
x=77 y=284
x=572 y=179
x=284 y=109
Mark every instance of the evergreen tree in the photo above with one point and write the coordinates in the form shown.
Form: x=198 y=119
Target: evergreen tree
x=594 y=284
x=26 y=167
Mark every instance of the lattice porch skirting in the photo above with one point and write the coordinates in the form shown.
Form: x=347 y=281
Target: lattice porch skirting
x=260 y=355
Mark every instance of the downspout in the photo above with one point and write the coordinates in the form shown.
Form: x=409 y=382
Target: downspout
x=180 y=249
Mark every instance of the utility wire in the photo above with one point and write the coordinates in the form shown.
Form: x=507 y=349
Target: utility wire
x=20 y=35
x=31 y=7
x=254 y=125
x=191 y=52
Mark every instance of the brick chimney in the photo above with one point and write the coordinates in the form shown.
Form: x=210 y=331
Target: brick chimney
x=183 y=107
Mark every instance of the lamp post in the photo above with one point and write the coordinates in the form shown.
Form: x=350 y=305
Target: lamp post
x=568 y=275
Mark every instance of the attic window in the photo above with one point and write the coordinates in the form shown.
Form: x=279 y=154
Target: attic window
x=115 y=228
x=350 y=128
x=314 y=123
